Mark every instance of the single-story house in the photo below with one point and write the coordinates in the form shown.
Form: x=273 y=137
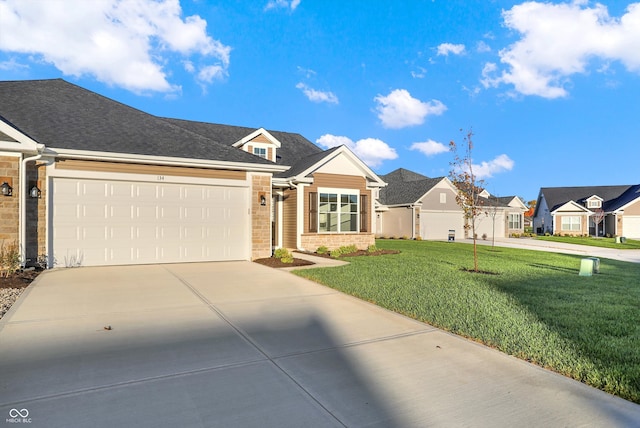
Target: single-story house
x=413 y=205
x=89 y=181
x=589 y=210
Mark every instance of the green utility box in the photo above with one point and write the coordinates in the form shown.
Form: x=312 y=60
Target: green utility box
x=586 y=267
x=596 y=264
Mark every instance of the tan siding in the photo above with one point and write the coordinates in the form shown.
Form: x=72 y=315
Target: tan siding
x=633 y=209
x=431 y=201
x=270 y=155
x=289 y=226
x=261 y=139
x=126 y=168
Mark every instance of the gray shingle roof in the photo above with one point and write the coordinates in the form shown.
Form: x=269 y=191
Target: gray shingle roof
x=402 y=175
x=65 y=116
x=406 y=192
x=294 y=147
x=558 y=196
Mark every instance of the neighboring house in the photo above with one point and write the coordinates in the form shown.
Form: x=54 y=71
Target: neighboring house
x=414 y=205
x=89 y=181
x=589 y=210
x=500 y=217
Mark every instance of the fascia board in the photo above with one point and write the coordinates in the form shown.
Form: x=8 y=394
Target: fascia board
x=24 y=143
x=572 y=203
x=254 y=134
x=163 y=160
x=343 y=150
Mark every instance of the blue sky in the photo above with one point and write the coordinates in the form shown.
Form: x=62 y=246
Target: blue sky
x=550 y=89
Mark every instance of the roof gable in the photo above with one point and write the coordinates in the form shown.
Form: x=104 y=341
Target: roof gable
x=557 y=196
x=409 y=192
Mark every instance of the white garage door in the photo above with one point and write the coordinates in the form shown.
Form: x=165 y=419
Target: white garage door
x=436 y=225
x=98 y=222
x=631 y=226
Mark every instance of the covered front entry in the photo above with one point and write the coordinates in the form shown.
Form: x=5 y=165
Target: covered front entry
x=109 y=222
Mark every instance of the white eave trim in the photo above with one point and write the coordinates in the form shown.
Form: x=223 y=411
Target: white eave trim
x=23 y=143
x=163 y=160
x=344 y=150
x=572 y=203
x=254 y=134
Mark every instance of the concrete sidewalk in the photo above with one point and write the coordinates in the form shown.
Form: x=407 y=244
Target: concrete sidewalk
x=238 y=344
x=632 y=256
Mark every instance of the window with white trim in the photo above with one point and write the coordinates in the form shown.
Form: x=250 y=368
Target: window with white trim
x=260 y=151
x=571 y=223
x=594 y=203
x=338 y=211
x=515 y=221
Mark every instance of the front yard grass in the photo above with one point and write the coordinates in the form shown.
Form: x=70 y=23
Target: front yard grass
x=536 y=308
x=630 y=244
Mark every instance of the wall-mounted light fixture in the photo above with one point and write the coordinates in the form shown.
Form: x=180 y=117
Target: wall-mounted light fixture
x=34 y=191
x=6 y=188
x=263 y=199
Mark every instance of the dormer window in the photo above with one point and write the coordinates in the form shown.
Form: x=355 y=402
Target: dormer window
x=260 y=143
x=260 y=151
x=594 y=202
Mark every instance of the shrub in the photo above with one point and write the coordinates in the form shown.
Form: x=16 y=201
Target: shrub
x=322 y=250
x=345 y=249
x=405 y=237
x=484 y=236
x=284 y=255
x=9 y=259
x=418 y=238
x=372 y=249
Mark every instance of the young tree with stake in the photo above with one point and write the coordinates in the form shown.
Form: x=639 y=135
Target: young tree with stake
x=469 y=187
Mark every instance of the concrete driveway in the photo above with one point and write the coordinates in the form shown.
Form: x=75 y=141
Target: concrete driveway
x=241 y=345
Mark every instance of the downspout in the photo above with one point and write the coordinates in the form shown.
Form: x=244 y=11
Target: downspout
x=23 y=207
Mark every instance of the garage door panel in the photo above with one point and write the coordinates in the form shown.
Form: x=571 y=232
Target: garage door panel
x=631 y=227
x=110 y=222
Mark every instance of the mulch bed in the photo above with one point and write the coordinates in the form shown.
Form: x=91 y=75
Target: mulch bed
x=19 y=279
x=276 y=263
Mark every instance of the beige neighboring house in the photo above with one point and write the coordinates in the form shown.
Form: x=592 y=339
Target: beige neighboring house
x=413 y=205
x=89 y=181
x=501 y=216
x=589 y=210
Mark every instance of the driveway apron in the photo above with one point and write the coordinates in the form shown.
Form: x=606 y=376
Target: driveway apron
x=237 y=344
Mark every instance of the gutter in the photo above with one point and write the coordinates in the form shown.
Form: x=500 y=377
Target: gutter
x=22 y=243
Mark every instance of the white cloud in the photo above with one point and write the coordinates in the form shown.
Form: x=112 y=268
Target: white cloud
x=483 y=47
x=122 y=43
x=370 y=150
x=284 y=4
x=430 y=148
x=420 y=74
x=399 y=109
x=500 y=164
x=559 y=40
x=447 y=48
x=317 y=96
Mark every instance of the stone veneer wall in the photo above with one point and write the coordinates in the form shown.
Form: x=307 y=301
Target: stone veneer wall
x=9 y=214
x=260 y=217
x=311 y=241
x=36 y=214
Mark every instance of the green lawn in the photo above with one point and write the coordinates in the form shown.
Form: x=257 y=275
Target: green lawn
x=594 y=242
x=536 y=308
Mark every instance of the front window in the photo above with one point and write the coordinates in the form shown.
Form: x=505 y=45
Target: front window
x=260 y=151
x=515 y=221
x=571 y=223
x=337 y=212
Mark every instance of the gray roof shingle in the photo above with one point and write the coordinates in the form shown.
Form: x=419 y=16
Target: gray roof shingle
x=294 y=147
x=558 y=196
x=65 y=116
